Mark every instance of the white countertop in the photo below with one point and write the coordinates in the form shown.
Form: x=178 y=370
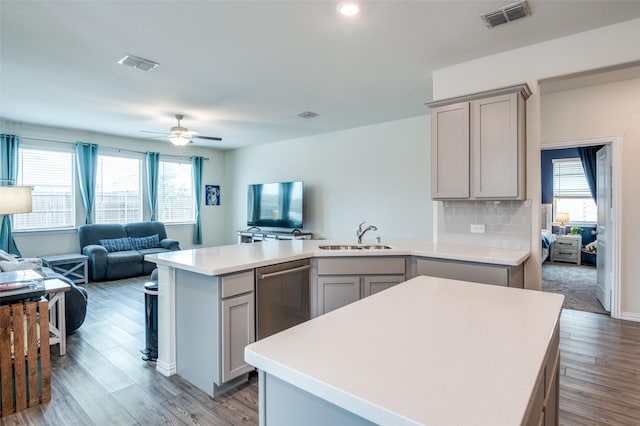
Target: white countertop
x=237 y=257
x=429 y=351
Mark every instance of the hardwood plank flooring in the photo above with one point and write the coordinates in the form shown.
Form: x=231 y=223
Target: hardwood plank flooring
x=102 y=379
x=600 y=370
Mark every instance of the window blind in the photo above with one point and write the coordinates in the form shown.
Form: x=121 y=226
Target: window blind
x=50 y=173
x=175 y=192
x=118 y=197
x=569 y=179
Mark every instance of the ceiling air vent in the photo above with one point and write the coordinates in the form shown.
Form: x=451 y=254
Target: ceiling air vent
x=505 y=14
x=307 y=114
x=139 y=63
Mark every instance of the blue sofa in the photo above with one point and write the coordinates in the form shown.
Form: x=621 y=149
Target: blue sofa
x=117 y=251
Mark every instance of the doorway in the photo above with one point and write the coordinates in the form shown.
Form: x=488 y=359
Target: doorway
x=582 y=260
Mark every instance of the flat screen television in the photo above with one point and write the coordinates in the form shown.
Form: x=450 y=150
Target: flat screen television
x=276 y=205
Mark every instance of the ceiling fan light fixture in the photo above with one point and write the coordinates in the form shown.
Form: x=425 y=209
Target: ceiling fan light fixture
x=178 y=139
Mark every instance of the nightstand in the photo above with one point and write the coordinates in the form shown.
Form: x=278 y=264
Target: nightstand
x=567 y=248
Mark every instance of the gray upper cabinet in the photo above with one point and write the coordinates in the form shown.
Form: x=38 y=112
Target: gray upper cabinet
x=450 y=151
x=478 y=146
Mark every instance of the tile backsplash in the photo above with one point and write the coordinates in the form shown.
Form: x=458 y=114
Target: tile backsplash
x=507 y=224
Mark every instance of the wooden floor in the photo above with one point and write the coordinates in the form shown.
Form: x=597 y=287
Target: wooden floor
x=102 y=379
x=600 y=370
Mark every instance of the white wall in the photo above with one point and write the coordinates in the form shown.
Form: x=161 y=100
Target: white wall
x=33 y=244
x=603 y=111
x=603 y=47
x=379 y=174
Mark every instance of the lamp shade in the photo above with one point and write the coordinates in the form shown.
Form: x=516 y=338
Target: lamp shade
x=562 y=217
x=15 y=199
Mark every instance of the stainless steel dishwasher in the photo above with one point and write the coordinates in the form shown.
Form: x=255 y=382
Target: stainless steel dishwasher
x=282 y=296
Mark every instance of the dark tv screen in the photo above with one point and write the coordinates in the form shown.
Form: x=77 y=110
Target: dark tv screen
x=276 y=205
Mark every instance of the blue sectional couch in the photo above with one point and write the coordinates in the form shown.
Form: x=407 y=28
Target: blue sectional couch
x=117 y=251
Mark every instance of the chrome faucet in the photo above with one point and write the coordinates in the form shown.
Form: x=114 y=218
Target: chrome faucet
x=360 y=232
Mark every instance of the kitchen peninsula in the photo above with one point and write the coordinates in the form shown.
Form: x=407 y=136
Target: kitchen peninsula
x=429 y=351
x=206 y=300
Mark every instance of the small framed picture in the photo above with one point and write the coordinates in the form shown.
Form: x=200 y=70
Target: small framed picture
x=212 y=195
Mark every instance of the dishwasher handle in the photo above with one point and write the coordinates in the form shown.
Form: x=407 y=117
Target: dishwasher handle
x=286 y=271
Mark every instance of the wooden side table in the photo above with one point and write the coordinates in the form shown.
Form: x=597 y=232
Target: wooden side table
x=71 y=265
x=55 y=291
x=567 y=248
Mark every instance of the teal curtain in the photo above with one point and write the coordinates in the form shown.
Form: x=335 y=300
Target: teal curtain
x=196 y=163
x=87 y=165
x=9 y=145
x=153 y=167
x=589 y=158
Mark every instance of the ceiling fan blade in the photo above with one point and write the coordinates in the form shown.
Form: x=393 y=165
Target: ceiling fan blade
x=211 y=138
x=148 y=131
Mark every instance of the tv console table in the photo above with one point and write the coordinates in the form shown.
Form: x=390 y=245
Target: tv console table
x=253 y=236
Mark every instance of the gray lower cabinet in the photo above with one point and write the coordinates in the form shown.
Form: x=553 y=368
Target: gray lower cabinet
x=238 y=330
x=372 y=284
x=337 y=291
x=543 y=406
x=342 y=281
x=508 y=276
x=216 y=315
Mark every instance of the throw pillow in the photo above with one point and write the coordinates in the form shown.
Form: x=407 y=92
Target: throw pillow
x=141 y=243
x=28 y=263
x=116 y=244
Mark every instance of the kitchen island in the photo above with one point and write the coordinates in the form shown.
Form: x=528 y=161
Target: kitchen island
x=429 y=351
x=206 y=300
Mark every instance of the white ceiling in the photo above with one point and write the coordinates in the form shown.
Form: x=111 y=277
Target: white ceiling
x=242 y=70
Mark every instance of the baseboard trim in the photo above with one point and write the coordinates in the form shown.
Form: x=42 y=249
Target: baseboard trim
x=630 y=316
x=166 y=369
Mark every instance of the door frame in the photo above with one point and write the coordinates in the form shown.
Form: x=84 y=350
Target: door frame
x=616 y=205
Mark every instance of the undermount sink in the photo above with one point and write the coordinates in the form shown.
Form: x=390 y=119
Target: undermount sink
x=354 y=247
x=375 y=247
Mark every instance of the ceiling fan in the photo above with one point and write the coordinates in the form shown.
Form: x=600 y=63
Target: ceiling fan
x=181 y=136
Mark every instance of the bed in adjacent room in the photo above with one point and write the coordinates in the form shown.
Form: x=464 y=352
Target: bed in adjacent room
x=547 y=236
x=547 y=239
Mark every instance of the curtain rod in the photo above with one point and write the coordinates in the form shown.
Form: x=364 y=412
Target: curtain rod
x=109 y=147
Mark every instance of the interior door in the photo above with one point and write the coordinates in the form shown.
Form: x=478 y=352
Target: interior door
x=603 y=202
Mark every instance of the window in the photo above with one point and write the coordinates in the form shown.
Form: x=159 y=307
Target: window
x=175 y=192
x=118 y=197
x=50 y=173
x=571 y=191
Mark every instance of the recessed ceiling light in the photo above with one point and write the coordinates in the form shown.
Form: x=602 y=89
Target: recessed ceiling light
x=348 y=8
